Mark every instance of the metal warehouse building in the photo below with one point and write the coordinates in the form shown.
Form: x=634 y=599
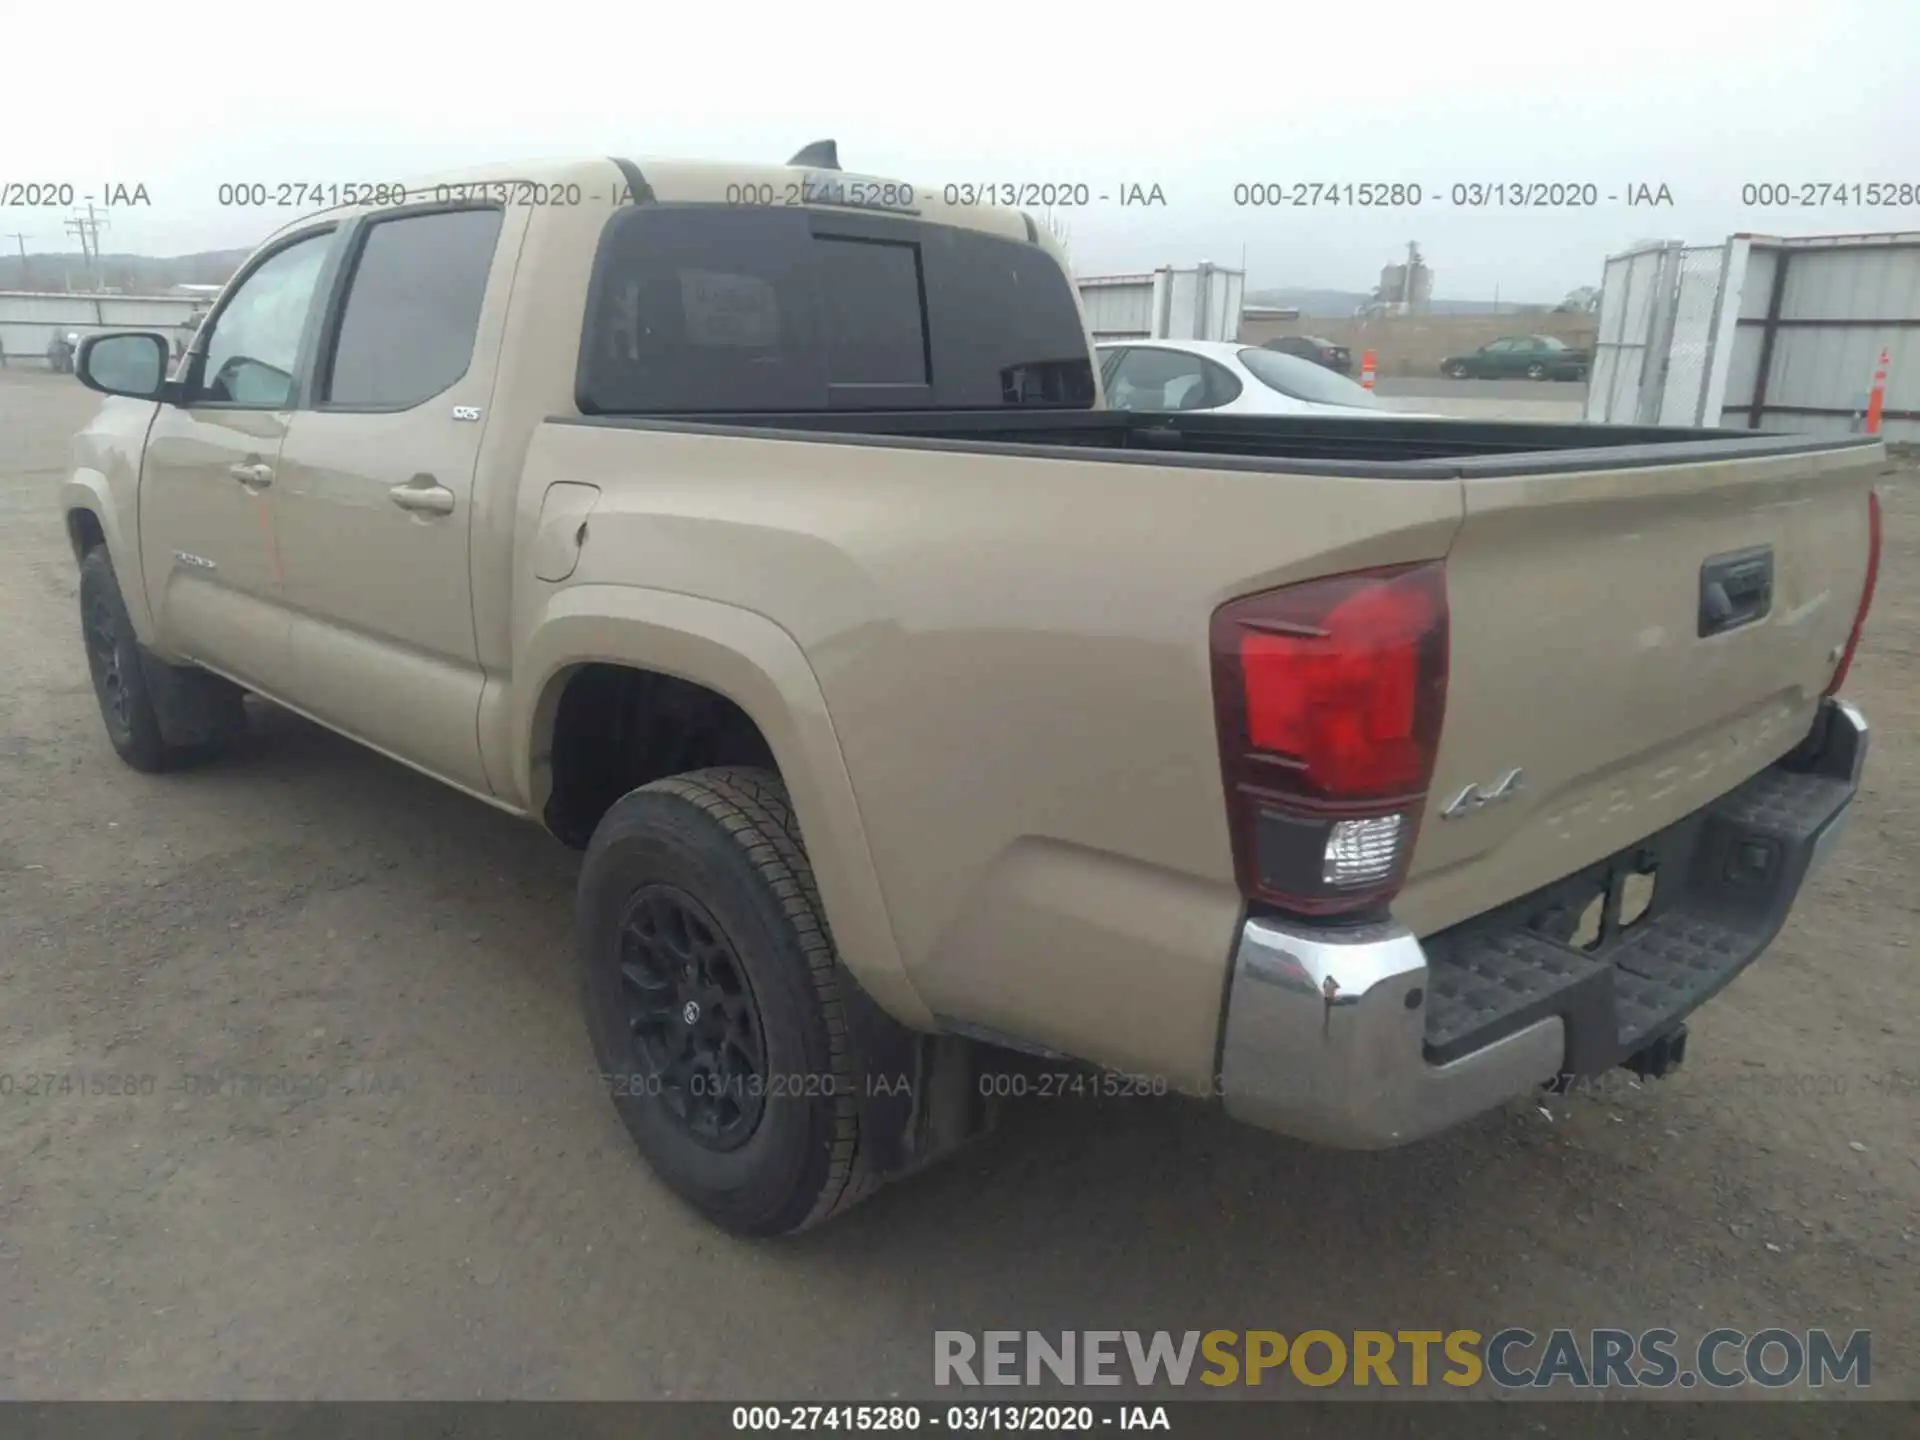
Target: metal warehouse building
x=29 y=319
x=1762 y=332
x=1165 y=304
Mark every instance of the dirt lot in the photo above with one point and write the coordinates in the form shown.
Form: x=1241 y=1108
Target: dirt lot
x=424 y=1197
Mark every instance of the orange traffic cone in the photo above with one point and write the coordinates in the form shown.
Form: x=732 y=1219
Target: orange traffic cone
x=1366 y=368
x=1877 y=397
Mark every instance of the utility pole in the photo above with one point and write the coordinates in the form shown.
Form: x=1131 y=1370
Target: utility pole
x=87 y=227
x=26 y=270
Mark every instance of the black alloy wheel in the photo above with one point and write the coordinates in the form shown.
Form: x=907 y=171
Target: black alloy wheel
x=691 y=1016
x=106 y=658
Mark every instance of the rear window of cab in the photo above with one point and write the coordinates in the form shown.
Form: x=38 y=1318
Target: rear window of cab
x=717 y=309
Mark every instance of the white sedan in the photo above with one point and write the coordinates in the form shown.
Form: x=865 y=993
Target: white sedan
x=1227 y=378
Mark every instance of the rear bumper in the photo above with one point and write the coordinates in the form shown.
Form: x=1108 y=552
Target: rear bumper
x=1365 y=1038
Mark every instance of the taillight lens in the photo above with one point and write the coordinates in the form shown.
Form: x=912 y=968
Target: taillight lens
x=1866 y=595
x=1329 y=696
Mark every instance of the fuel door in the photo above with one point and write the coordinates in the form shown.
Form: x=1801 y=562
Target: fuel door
x=561 y=532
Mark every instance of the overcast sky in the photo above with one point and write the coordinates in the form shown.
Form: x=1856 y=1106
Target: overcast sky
x=1702 y=96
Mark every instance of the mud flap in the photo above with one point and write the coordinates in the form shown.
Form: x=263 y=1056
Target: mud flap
x=918 y=1094
x=194 y=707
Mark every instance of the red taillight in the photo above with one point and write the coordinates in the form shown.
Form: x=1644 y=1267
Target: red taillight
x=1330 y=696
x=1866 y=595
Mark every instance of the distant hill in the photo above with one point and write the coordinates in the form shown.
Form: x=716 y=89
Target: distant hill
x=1340 y=304
x=133 y=274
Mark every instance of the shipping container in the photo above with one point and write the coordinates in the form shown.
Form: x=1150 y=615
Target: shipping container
x=1762 y=332
x=1202 y=303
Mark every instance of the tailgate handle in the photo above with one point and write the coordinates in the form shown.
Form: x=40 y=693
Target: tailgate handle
x=1735 y=589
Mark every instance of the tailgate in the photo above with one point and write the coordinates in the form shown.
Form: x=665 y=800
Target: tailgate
x=1576 y=605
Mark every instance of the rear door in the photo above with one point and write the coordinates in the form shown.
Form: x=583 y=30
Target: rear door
x=376 y=485
x=208 y=474
x=1629 y=644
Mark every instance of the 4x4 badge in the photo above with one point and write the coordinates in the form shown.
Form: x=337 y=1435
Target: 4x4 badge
x=1478 y=797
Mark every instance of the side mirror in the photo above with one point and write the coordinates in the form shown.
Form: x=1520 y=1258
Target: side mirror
x=130 y=362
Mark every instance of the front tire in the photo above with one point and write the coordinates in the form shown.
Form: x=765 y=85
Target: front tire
x=1536 y=371
x=119 y=681
x=1456 y=371
x=715 y=1001
x=158 y=716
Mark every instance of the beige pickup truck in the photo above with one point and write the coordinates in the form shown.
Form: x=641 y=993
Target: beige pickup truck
x=760 y=531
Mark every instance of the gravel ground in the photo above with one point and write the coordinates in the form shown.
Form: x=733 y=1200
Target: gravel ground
x=424 y=1197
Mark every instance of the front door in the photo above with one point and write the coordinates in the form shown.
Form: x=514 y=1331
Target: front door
x=375 y=487
x=1497 y=359
x=207 y=477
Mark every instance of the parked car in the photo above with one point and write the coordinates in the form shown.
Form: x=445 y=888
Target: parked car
x=909 y=705
x=1319 y=350
x=1537 y=357
x=1230 y=379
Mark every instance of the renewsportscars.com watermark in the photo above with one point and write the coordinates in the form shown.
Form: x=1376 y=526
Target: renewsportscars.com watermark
x=1513 y=1358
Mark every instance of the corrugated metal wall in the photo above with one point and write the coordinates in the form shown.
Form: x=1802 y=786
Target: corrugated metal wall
x=1197 y=304
x=1118 y=307
x=1815 y=313
x=1204 y=304
x=29 y=320
x=1763 y=332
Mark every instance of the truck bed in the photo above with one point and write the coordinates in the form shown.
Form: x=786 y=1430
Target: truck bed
x=1404 y=449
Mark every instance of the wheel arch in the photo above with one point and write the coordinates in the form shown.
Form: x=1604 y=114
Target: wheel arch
x=756 y=666
x=92 y=519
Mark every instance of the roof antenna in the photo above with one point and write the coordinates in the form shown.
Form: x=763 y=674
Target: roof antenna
x=820 y=155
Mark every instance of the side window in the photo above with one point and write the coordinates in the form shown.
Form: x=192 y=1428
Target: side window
x=256 y=337
x=1149 y=379
x=1223 y=386
x=1109 y=364
x=412 y=309
x=1500 y=347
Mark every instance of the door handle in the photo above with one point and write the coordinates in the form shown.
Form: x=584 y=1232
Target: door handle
x=257 y=475
x=423 y=498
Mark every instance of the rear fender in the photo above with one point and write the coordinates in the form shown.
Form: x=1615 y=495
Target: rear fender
x=761 y=668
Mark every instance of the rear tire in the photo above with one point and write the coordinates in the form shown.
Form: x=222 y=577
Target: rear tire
x=1536 y=371
x=715 y=1002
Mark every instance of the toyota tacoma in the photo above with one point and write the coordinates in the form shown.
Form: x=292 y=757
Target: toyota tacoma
x=761 y=532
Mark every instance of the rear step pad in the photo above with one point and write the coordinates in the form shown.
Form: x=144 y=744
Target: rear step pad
x=1503 y=982
x=1728 y=874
